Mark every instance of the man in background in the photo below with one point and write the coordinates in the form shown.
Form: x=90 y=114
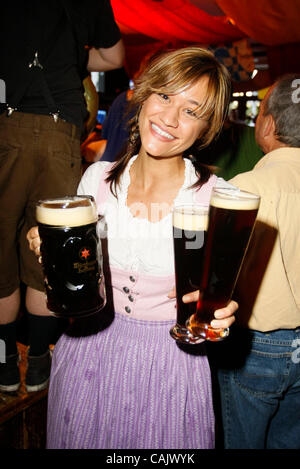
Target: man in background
x=259 y=364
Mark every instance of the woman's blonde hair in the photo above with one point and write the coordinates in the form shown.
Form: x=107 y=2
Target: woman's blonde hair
x=170 y=73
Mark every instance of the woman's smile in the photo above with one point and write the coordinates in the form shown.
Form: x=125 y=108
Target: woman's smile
x=158 y=131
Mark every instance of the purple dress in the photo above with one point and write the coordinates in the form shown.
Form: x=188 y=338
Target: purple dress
x=129 y=385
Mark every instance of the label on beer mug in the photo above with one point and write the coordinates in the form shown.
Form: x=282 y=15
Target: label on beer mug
x=84 y=255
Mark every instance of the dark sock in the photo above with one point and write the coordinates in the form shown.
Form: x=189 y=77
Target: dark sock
x=42 y=332
x=8 y=333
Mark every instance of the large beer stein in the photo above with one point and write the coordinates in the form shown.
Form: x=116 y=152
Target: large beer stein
x=189 y=234
x=232 y=215
x=70 y=258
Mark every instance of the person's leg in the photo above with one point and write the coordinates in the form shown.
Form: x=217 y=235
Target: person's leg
x=245 y=416
x=9 y=371
x=13 y=182
x=42 y=324
x=9 y=307
x=284 y=430
x=57 y=162
x=251 y=387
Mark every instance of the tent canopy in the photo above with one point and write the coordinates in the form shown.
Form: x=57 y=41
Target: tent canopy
x=148 y=25
x=270 y=22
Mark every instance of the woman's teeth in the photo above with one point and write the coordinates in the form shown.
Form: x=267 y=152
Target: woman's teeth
x=161 y=132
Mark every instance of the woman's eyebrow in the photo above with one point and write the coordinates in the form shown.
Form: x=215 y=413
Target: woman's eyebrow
x=192 y=101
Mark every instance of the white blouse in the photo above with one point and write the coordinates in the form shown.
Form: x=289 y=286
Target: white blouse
x=136 y=244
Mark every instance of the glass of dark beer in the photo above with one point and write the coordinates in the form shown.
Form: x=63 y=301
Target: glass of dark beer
x=232 y=215
x=70 y=257
x=189 y=233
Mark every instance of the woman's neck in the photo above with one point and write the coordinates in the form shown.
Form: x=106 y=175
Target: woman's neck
x=148 y=171
x=154 y=184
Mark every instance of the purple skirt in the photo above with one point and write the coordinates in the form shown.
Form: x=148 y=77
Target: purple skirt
x=129 y=387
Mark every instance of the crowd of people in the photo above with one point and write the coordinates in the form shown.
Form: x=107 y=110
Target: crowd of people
x=118 y=380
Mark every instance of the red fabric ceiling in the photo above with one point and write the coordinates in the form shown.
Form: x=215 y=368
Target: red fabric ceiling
x=154 y=24
x=170 y=20
x=270 y=22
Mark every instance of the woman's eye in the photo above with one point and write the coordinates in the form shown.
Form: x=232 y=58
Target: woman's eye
x=163 y=96
x=192 y=113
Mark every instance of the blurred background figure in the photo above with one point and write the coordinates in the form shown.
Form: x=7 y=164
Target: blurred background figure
x=234 y=151
x=113 y=136
x=110 y=142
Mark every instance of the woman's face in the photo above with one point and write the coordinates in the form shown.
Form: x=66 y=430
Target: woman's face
x=169 y=124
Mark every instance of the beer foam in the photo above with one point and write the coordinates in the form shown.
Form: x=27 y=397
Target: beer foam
x=191 y=221
x=235 y=200
x=66 y=212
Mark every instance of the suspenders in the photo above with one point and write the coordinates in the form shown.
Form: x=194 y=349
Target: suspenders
x=35 y=71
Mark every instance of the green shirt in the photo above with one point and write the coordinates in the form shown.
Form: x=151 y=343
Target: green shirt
x=234 y=152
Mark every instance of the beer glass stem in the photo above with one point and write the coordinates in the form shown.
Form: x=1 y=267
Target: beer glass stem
x=183 y=335
x=205 y=330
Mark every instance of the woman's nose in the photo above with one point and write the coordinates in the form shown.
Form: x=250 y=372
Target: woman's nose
x=170 y=116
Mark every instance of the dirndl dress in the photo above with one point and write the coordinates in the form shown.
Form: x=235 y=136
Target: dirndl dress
x=129 y=385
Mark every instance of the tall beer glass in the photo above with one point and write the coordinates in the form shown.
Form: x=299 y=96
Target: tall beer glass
x=232 y=216
x=69 y=249
x=189 y=233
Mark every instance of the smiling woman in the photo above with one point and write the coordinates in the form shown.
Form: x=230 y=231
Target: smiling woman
x=126 y=384
x=189 y=80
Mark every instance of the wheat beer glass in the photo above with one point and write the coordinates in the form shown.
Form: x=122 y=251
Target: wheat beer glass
x=69 y=249
x=232 y=215
x=189 y=233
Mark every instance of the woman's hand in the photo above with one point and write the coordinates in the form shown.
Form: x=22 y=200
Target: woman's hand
x=224 y=317
x=34 y=241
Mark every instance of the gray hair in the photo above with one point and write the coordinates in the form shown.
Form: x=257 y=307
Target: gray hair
x=283 y=104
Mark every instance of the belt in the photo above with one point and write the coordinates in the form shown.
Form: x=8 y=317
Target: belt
x=42 y=122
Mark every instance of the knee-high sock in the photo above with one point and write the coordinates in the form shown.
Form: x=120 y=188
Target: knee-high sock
x=42 y=332
x=8 y=333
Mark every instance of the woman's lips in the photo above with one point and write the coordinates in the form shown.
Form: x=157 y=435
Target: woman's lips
x=160 y=132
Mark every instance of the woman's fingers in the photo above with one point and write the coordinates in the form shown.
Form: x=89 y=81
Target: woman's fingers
x=172 y=293
x=224 y=317
x=34 y=240
x=191 y=297
x=228 y=311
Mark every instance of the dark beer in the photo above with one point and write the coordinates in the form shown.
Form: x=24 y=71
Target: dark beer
x=69 y=249
x=189 y=233
x=231 y=220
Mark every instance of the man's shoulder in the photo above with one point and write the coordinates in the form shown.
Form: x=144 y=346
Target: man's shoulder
x=248 y=180
x=278 y=170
